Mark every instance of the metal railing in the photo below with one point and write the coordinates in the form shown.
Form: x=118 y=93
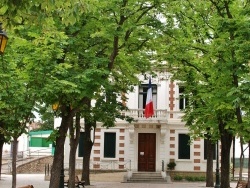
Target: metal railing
x=109 y=165
x=162 y=165
x=25 y=156
x=29 y=153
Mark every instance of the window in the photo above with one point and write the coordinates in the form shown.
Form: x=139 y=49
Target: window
x=109 y=145
x=182 y=99
x=143 y=95
x=183 y=146
x=81 y=145
x=206 y=150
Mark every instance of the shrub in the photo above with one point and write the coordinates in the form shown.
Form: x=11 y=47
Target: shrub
x=178 y=177
x=189 y=178
x=171 y=165
x=195 y=178
x=200 y=178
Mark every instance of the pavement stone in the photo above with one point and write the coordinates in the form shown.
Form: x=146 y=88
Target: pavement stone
x=37 y=180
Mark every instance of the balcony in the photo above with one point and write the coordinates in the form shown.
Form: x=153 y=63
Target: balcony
x=159 y=114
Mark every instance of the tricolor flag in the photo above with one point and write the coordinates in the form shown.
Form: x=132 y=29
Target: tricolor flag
x=149 y=108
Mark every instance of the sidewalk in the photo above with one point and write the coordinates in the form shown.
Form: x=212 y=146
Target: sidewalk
x=97 y=181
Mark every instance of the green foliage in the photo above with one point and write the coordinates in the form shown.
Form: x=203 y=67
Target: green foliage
x=195 y=178
x=178 y=178
x=75 y=52
x=46 y=116
x=171 y=165
x=53 y=136
x=79 y=50
x=206 y=53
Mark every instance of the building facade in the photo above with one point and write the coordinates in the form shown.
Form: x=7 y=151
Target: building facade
x=147 y=144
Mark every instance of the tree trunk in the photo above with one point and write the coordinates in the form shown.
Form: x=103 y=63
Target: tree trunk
x=74 y=140
x=86 y=157
x=210 y=158
x=233 y=169
x=226 y=142
x=14 y=156
x=57 y=167
x=242 y=157
x=87 y=151
x=1 y=153
x=89 y=123
x=248 y=171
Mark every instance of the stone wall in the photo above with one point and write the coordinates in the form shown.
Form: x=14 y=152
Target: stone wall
x=35 y=166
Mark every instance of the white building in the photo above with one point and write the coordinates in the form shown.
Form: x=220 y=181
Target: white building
x=148 y=144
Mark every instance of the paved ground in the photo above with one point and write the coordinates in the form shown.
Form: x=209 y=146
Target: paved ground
x=107 y=180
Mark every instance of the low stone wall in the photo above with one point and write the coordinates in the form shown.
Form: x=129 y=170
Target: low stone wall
x=35 y=166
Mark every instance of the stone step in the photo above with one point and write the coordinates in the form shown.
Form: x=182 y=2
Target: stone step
x=146 y=177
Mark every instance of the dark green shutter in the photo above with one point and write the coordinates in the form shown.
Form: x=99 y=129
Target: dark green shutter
x=184 y=147
x=109 y=145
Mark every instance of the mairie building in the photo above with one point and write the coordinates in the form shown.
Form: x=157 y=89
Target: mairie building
x=147 y=144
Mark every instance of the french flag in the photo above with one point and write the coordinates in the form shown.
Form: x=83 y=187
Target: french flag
x=149 y=108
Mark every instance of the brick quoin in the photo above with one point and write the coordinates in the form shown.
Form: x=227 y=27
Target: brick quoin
x=121 y=144
x=96 y=158
x=196 y=168
x=197 y=160
x=121 y=152
x=98 y=130
x=172 y=131
x=171 y=153
x=97 y=137
x=172 y=138
x=121 y=159
x=96 y=166
x=197 y=154
x=197 y=146
x=171 y=96
x=97 y=144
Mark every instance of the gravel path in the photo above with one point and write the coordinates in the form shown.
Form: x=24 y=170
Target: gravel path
x=103 y=180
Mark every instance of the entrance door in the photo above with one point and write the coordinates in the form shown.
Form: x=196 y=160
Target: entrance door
x=146 y=151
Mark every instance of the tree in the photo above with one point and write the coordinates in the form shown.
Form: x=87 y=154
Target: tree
x=103 y=53
x=67 y=65
x=207 y=48
x=17 y=101
x=22 y=76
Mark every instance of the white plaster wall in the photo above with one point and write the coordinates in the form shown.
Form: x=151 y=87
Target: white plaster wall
x=163 y=95
x=57 y=122
x=132 y=102
x=164 y=151
x=238 y=150
x=23 y=144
